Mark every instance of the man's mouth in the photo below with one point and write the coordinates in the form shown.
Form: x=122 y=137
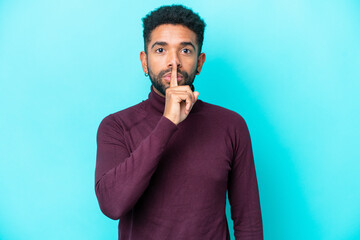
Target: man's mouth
x=167 y=77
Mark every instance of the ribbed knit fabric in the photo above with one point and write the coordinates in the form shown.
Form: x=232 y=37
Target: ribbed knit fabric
x=167 y=181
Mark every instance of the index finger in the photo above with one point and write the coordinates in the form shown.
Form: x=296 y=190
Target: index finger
x=173 y=79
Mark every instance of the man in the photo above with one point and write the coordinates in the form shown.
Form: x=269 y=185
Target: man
x=164 y=165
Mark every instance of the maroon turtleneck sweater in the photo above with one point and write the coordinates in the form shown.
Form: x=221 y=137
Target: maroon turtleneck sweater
x=167 y=181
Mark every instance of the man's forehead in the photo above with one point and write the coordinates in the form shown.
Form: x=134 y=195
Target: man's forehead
x=172 y=33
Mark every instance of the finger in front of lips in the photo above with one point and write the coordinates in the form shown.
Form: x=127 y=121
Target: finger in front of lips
x=173 y=79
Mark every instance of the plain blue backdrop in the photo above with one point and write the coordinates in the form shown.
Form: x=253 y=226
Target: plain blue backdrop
x=290 y=68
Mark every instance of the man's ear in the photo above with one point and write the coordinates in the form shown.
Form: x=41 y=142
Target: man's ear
x=201 y=60
x=143 y=59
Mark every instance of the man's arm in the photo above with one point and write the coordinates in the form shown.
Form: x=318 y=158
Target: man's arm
x=243 y=190
x=121 y=177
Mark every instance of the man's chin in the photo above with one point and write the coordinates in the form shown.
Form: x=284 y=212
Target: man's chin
x=163 y=85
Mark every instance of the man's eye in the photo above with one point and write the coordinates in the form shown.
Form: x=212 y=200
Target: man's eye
x=160 y=50
x=186 y=50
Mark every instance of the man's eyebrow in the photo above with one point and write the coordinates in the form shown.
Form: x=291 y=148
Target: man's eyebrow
x=165 y=44
x=188 y=43
x=159 y=43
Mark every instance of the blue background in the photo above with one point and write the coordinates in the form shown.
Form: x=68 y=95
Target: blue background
x=290 y=68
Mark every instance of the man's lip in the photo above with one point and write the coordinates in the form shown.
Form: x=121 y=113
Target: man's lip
x=167 y=77
x=169 y=74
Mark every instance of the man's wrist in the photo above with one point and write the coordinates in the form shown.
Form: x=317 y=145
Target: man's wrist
x=172 y=119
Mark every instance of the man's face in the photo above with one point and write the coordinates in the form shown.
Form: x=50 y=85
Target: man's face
x=169 y=45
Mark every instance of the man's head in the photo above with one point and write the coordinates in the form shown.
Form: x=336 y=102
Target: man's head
x=174 y=14
x=172 y=35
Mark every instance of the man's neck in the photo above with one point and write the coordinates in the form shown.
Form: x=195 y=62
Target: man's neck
x=159 y=93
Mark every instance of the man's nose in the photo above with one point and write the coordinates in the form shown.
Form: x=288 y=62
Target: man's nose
x=173 y=59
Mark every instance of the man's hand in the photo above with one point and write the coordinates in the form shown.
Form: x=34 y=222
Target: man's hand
x=179 y=99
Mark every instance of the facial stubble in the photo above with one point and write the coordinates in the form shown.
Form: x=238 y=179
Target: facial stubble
x=156 y=80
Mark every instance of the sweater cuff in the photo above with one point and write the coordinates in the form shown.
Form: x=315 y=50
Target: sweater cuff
x=165 y=128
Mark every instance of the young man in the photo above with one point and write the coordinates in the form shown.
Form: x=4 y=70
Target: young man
x=164 y=165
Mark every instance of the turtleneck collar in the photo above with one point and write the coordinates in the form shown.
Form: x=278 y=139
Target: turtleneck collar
x=157 y=103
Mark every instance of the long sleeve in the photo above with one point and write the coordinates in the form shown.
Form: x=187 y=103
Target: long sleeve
x=122 y=176
x=243 y=189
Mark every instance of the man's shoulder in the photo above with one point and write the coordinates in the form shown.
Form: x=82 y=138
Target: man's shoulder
x=224 y=120
x=130 y=114
x=222 y=113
